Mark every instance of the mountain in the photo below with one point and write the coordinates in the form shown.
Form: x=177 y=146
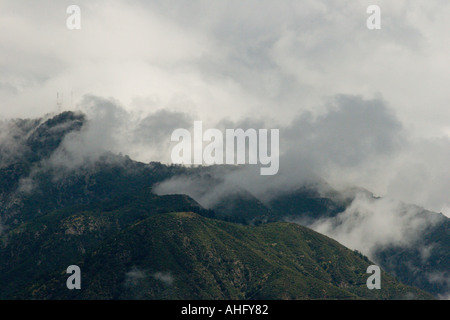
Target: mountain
x=242 y=207
x=424 y=262
x=53 y=216
x=146 y=247
x=306 y=204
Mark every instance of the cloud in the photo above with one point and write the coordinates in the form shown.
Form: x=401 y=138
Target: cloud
x=151 y=135
x=103 y=132
x=227 y=60
x=440 y=278
x=350 y=131
x=164 y=277
x=207 y=187
x=10 y=145
x=370 y=224
x=420 y=174
x=13 y=136
x=351 y=135
x=158 y=126
x=354 y=142
x=136 y=276
x=111 y=128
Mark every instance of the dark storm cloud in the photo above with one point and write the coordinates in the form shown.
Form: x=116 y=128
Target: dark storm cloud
x=351 y=131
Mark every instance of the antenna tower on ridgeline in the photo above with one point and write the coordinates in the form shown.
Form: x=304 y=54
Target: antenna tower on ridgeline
x=59 y=101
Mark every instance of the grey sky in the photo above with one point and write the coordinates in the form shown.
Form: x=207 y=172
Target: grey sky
x=228 y=58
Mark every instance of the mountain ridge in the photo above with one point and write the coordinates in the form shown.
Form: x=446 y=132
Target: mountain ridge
x=113 y=176
x=205 y=258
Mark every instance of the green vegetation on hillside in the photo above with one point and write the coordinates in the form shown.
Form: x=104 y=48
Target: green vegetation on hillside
x=129 y=249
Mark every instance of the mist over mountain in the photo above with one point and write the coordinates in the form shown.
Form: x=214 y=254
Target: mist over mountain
x=406 y=240
x=354 y=142
x=355 y=92
x=50 y=168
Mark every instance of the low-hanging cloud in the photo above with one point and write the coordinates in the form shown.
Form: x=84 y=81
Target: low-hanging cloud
x=442 y=278
x=111 y=128
x=370 y=224
x=356 y=142
x=13 y=136
x=137 y=275
x=165 y=277
x=134 y=277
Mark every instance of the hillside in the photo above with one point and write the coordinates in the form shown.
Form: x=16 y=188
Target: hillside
x=131 y=250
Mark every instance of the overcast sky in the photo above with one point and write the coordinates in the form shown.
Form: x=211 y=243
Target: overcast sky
x=308 y=66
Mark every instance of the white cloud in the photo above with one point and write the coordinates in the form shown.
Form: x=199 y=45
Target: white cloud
x=134 y=277
x=164 y=277
x=370 y=224
x=228 y=60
